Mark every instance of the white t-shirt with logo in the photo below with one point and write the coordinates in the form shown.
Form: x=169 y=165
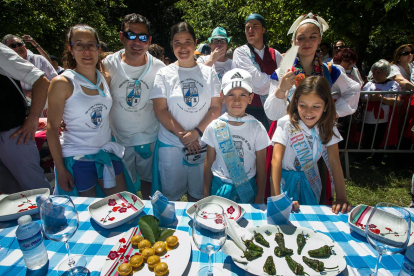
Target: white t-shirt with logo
x=372 y=86
x=290 y=161
x=247 y=138
x=132 y=116
x=86 y=118
x=220 y=67
x=188 y=92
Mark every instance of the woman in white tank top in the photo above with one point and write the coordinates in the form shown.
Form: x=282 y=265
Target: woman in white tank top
x=80 y=96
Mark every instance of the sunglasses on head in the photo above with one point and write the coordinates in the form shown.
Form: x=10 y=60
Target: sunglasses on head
x=15 y=45
x=339 y=47
x=132 y=36
x=407 y=53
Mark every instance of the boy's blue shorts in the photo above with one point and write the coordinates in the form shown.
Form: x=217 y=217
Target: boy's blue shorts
x=85 y=175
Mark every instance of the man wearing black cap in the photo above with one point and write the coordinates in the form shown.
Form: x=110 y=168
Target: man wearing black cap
x=260 y=61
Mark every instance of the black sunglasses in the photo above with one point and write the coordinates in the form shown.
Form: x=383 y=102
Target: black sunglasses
x=133 y=36
x=339 y=47
x=407 y=53
x=15 y=45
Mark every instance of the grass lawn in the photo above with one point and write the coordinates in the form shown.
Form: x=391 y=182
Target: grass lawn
x=389 y=183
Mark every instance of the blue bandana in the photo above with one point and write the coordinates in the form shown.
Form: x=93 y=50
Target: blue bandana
x=256 y=16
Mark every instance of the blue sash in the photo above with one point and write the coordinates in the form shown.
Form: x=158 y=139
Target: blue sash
x=231 y=159
x=307 y=158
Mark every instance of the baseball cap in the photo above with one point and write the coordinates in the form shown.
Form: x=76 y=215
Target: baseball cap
x=236 y=78
x=203 y=49
x=219 y=32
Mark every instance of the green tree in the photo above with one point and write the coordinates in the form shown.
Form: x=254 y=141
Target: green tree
x=374 y=28
x=48 y=21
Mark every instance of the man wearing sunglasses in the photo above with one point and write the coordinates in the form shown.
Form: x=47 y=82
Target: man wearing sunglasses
x=339 y=45
x=19 y=162
x=132 y=118
x=16 y=44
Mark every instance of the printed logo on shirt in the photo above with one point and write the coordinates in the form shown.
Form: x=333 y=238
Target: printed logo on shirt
x=239 y=149
x=220 y=72
x=190 y=92
x=96 y=116
x=133 y=93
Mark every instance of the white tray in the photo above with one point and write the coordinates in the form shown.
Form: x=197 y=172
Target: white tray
x=231 y=208
x=19 y=204
x=116 y=209
x=358 y=218
x=315 y=240
x=177 y=259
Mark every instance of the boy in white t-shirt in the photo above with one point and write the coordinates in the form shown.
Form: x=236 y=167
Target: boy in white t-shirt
x=236 y=143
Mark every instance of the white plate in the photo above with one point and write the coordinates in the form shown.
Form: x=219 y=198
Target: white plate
x=177 y=259
x=358 y=217
x=231 y=208
x=116 y=209
x=314 y=241
x=19 y=204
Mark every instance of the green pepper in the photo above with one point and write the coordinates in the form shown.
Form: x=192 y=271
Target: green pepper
x=301 y=241
x=294 y=266
x=251 y=246
x=251 y=254
x=282 y=251
x=279 y=238
x=316 y=265
x=323 y=252
x=260 y=239
x=269 y=266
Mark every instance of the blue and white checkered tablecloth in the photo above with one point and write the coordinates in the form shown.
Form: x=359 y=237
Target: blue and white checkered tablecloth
x=94 y=242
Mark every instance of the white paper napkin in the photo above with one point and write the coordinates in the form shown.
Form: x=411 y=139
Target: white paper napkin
x=235 y=247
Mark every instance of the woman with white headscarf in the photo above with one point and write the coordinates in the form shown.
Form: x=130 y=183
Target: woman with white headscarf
x=307 y=34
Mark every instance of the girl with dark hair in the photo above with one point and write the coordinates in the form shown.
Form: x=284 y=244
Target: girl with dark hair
x=302 y=137
x=347 y=58
x=307 y=34
x=80 y=96
x=186 y=98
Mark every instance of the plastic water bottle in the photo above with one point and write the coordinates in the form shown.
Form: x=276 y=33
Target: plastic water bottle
x=407 y=267
x=30 y=240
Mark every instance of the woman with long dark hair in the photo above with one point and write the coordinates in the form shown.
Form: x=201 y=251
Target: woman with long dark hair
x=80 y=96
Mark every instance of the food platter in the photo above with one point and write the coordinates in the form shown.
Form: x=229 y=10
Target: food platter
x=314 y=240
x=177 y=259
